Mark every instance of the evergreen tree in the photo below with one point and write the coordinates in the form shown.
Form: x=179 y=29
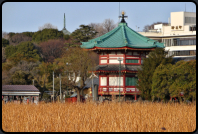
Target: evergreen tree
x=83 y=34
x=29 y=34
x=5 y=42
x=183 y=80
x=145 y=74
x=23 y=51
x=21 y=78
x=161 y=81
x=47 y=34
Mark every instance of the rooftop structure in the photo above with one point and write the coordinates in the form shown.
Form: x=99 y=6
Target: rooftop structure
x=65 y=31
x=179 y=37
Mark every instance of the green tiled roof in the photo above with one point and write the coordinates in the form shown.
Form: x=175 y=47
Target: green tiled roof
x=122 y=36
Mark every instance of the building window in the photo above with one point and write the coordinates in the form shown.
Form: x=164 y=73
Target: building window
x=187 y=42
x=131 y=81
x=132 y=61
x=179 y=42
x=182 y=53
x=193 y=52
x=192 y=28
x=190 y=20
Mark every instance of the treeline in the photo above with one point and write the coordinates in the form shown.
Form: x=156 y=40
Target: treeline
x=162 y=79
x=31 y=57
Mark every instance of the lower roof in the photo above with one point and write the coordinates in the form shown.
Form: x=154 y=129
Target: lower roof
x=20 y=88
x=115 y=68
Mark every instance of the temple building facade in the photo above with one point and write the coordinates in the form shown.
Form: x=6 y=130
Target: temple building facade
x=121 y=52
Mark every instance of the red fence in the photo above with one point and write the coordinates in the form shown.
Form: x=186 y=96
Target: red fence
x=74 y=99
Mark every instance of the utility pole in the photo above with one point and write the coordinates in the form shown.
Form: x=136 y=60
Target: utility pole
x=53 y=86
x=92 y=86
x=60 y=86
x=119 y=59
x=33 y=81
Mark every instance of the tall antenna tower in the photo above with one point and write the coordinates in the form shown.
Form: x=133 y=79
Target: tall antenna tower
x=64 y=20
x=119 y=13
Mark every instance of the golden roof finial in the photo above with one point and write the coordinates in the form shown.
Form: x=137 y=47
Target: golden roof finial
x=123 y=12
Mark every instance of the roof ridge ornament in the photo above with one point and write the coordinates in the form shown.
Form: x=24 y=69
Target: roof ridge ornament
x=123 y=21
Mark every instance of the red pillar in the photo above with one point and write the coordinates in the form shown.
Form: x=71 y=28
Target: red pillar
x=135 y=97
x=27 y=101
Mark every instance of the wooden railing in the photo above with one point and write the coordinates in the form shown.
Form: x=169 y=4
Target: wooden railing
x=115 y=90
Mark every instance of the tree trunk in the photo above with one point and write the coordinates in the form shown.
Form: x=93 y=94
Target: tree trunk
x=78 y=95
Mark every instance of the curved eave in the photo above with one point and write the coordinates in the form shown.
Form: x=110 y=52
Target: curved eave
x=120 y=48
x=123 y=71
x=122 y=36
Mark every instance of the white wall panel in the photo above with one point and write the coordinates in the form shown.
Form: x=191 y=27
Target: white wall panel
x=114 y=81
x=115 y=61
x=117 y=89
x=103 y=61
x=104 y=89
x=103 y=81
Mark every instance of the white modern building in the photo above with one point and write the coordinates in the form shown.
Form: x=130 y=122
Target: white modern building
x=179 y=37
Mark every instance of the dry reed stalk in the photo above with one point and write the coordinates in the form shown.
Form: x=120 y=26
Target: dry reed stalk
x=92 y=117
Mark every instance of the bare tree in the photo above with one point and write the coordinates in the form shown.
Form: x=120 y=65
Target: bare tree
x=108 y=25
x=80 y=64
x=149 y=27
x=52 y=49
x=18 y=38
x=5 y=35
x=146 y=28
x=99 y=28
x=47 y=26
x=103 y=28
x=3 y=55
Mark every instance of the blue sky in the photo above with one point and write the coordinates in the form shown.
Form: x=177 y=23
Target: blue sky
x=29 y=16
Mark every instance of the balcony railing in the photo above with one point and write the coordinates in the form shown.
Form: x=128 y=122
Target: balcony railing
x=115 y=90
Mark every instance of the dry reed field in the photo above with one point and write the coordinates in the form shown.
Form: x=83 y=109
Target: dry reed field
x=92 y=117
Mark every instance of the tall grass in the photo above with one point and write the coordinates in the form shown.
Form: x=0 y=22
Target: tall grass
x=92 y=117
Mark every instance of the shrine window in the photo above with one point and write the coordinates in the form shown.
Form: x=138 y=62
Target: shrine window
x=132 y=61
x=131 y=81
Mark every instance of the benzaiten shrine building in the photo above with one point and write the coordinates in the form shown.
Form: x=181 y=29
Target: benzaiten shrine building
x=125 y=43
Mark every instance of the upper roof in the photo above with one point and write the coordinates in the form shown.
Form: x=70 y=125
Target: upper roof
x=26 y=88
x=122 y=36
